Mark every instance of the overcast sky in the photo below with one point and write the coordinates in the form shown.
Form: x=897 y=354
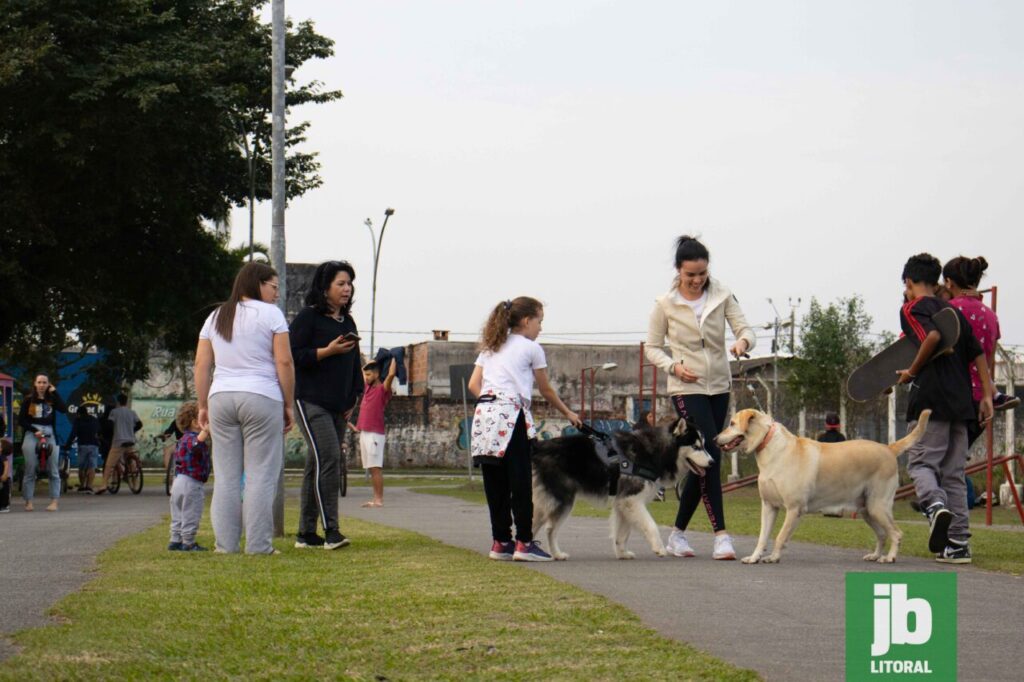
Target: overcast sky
x=556 y=149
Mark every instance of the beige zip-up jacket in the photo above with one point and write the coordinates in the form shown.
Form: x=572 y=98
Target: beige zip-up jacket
x=698 y=344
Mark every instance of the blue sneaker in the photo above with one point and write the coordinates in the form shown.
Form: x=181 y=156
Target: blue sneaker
x=530 y=552
x=175 y=547
x=194 y=547
x=502 y=551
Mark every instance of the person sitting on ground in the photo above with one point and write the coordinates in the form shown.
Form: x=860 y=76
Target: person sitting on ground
x=371 y=428
x=86 y=430
x=191 y=470
x=831 y=434
x=125 y=423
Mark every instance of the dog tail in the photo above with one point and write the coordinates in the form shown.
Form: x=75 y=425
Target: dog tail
x=903 y=443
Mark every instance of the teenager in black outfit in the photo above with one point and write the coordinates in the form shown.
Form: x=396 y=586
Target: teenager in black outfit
x=942 y=385
x=328 y=381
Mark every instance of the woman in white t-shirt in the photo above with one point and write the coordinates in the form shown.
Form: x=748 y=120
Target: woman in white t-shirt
x=247 y=406
x=510 y=362
x=690 y=319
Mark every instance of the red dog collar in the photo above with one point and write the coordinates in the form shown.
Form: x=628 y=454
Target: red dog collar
x=767 y=437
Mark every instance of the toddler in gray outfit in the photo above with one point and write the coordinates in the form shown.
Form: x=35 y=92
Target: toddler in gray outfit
x=192 y=469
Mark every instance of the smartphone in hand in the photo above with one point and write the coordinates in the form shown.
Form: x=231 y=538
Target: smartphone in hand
x=352 y=336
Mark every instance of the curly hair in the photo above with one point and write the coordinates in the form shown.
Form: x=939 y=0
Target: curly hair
x=187 y=414
x=505 y=316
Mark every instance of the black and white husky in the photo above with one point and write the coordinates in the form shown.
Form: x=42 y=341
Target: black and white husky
x=570 y=467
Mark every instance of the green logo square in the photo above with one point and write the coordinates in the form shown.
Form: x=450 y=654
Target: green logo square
x=900 y=626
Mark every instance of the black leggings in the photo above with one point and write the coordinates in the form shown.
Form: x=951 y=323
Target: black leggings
x=709 y=411
x=508 y=485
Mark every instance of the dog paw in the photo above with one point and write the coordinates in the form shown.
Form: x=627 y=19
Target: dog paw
x=752 y=559
x=560 y=556
x=886 y=559
x=771 y=559
x=626 y=555
x=661 y=552
x=871 y=557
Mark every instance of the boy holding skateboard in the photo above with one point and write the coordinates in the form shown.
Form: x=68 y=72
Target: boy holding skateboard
x=943 y=385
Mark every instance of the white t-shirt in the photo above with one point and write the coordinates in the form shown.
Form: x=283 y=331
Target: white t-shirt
x=697 y=306
x=510 y=370
x=246 y=363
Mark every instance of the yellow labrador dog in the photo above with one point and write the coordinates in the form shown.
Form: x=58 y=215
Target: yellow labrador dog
x=802 y=475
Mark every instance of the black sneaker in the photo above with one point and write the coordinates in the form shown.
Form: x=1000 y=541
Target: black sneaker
x=955 y=553
x=335 y=540
x=175 y=547
x=1001 y=402
x=939 y=519
x=194 y=547
x=308 y=540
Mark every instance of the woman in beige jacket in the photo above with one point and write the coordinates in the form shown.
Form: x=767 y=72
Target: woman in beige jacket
x=689 y=320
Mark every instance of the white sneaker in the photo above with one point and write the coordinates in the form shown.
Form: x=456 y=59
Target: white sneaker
x=677 y=544
x=724 y=550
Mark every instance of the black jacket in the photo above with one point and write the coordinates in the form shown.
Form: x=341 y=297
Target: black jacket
x=944 y=384
x=36 y=412
x=334 y=383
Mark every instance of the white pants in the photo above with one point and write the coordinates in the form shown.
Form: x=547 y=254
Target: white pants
x=371 y=449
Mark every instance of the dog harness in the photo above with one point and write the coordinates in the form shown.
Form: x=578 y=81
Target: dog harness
x=616 y=462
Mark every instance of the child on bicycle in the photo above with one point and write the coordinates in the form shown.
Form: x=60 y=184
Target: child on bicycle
x=509 y=364
x=192 y=470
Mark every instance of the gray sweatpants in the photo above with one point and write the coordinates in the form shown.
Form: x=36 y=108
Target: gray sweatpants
x=936 y=464
x=187 y=501
x=248 y=436
x=324 y=432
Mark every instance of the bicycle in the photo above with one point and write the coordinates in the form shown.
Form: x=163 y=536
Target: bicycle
x=128 y=468
x=168 y=450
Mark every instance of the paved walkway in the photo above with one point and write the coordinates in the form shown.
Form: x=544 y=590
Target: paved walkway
x=786 y=620
x=45 y=556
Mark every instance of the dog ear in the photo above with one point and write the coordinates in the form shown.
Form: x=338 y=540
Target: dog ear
x=743 y=419
x=689 y=435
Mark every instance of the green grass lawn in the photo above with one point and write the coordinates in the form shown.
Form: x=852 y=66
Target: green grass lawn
x=394 y=605
x=993 y=549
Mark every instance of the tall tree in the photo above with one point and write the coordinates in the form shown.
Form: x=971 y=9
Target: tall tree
x=834 y=340
x=121 y=135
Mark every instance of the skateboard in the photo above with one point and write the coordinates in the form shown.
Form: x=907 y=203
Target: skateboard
x=879 y=373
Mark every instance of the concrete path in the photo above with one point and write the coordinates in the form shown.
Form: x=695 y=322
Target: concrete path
x=46 y=555
x=785 y=620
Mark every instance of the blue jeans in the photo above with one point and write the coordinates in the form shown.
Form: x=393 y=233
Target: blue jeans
x=28 y=448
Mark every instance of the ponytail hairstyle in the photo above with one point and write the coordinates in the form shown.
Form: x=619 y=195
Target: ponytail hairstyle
x=965 y=272
x=506 y=316
x=247 y=285
x=690 y=248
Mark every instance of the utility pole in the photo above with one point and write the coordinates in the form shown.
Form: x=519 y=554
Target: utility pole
x=277 y=243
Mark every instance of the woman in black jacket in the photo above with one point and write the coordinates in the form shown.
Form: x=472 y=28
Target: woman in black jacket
x=38 y=418
x=328 y=381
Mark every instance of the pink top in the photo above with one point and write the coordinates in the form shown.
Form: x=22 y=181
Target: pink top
x=985 y=326
x=371 y=413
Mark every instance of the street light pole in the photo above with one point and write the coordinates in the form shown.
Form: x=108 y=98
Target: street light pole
x=377 y=244
x=277 y=243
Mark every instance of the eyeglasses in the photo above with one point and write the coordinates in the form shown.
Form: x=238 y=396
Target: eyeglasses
x=276 y=287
